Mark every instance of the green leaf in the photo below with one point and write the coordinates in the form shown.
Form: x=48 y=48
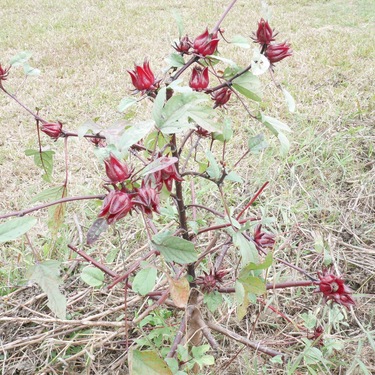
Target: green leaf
x=242 y=300
x=157 y=165
x=159 y=103
x=46 y=275
x=176 y=112
x=144 y=281
x=257 y=144
x=92 y=276
x=289 y=100
x=199 y=351
x=253 y=285
x=175 y=60
x=20 y=58
x=260 y=266
x=175 y=249
x=147 y=363
x=278 y=359
x=125 y=103
x=249 y=85
x=227 y=131
x=247 y=249
x=97 y=228
x=214 y=59
x=284 y=144
x=133 y=134
x=213 y=170
x=14 y=228
x=30 y=71
x=233 y=176
x=274 y=124
x=86 y=126
x=205 y=116
x=213 y=300
x=177 y=17
x=173 y=364
x=43 y=160
x=240 y=41
x=52 y=194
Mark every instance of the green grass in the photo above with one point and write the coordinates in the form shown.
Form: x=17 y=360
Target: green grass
x=322 y=192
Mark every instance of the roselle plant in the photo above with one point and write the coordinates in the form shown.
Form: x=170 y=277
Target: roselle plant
x=186 y=142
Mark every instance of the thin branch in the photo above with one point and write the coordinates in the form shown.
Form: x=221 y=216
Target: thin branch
x=216 y=213
x=252 y=200
x=221 y=19
x=284 y=285
x=98 y=265
x=181 y=331
x=40 y=207
x=252 y=344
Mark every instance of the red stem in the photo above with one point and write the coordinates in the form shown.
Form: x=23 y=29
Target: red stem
x=286 y=284
x=253 y=199
x=93 y=261
x=63 y=200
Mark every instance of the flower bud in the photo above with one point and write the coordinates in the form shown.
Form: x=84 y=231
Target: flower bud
x=264 y=34
x=116 y=205
x=221 y=96
x=278 y=52
x=209 y=282
x=53 y=130
x=263 y=239
x=143 y=78
x=199 y=79
x=205 y=44
x=116 y=170
x=4 y=72
x=183 y=45
x=202 y=132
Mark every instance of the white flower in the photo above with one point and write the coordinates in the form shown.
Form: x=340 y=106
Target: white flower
x=259 y=63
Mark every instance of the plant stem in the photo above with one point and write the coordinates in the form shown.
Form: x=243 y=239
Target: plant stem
x=284 y=285
x=98 y=265
x=252 y=200
x=63 y=200
x=252 y=344
x=37 y=117
x=221 y=19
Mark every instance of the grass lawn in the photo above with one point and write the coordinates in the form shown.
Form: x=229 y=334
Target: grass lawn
x=319 y=202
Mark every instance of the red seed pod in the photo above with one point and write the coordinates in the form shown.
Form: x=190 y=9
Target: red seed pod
x=116 y=170
x=264 y=34
x=199 y=79
x=4 y=72
x=183 y=45
x=53 y=130
x=116 y=205
x=143 y=78
x=209 y=282
x=334 y=288
x=278 y=52
x=263 y=239
x=221 y=96
x=147 y=199
x=205 y=44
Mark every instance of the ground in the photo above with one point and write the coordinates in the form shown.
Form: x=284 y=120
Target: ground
x=320 y=199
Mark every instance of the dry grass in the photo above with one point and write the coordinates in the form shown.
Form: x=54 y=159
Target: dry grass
x=321 y=195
